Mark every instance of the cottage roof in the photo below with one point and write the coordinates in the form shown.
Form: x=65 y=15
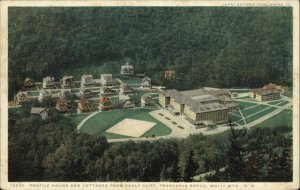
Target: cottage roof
x=146 y=79
x=48 y=78
x=61 y=102
x=28 y=79
x=68 y=77
x=22 y=93
x=87 y=76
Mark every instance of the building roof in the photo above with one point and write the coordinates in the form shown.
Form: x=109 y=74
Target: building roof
x=270 y=86
x=225 y=98
x=201 y=108
x=265 y=92
x=169 y=93
x=87 y=76
x=61 y=102
x=37 y=110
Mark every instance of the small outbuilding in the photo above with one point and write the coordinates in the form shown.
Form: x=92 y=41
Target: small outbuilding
x=127 y=69
x=42 y=112
x=170 y=74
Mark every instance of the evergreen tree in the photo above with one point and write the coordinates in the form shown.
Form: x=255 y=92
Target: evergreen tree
x=190 y=168
x=174 y=174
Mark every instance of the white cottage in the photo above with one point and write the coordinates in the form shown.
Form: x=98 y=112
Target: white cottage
x=146 y=82
x=87 y=81
x=127 y=69
x=48 y=82
x=107 y=80
x=67 y=82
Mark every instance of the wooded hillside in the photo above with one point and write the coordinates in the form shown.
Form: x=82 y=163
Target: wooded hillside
x=207 y=46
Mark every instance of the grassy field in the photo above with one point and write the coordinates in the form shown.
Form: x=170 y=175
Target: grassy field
x=244 y=105
x=104 y=120
x=259 y=115
x=253 y=110
x=130 y=79
x=283 y=103
x=283 y=118
x=77 y=118
x=276 y=102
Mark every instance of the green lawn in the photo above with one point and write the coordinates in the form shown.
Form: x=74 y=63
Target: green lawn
x=259 y=115
x=130 y=80
x=99 y=123
x=283 y=118
x=275 y=102
x=244 y=105
x=235 y=118
x=36 y=93
x=283 y=103
x=253 y=110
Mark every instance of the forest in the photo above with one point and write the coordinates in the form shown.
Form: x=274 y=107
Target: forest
x=206 y=46
x=52 y=150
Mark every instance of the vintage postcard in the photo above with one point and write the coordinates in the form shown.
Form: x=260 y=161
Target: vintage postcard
x=149 y=94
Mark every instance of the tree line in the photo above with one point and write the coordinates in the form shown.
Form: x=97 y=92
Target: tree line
x=52 y=150
x=206 y=46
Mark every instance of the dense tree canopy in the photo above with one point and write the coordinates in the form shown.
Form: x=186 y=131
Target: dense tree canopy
x=206 y=46
x=51 y=150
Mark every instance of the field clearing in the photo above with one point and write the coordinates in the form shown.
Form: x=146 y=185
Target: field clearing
x=102 y=121
x=284 y=118
x=253 y=110
x=131 y=127
x=259 y=115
